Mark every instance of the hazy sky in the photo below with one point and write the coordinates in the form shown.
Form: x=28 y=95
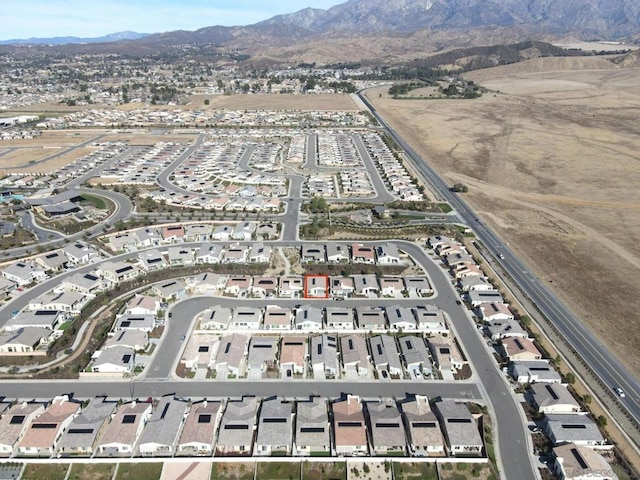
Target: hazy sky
x=94 y=18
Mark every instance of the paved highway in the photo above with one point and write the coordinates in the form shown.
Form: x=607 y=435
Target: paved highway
x=605 y=365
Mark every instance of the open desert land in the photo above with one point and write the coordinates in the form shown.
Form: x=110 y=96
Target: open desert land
x=149 y=138
x=551 y=162
x=47 y=153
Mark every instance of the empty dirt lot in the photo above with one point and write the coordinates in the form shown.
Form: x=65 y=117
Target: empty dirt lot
x=551 y=158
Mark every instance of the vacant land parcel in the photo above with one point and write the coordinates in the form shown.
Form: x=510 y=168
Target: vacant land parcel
x=550 y=156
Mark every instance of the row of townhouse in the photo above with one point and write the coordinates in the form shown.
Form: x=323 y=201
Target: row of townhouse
x=27 y=272
x=425 y=318
x=326 y=355
x=385 y=254
x=146 y=237
x=172 y=426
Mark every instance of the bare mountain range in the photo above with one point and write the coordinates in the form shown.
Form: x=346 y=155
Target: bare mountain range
x=389 y=31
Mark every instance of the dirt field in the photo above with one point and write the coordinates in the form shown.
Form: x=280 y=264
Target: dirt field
x=551 y=162
x=278 y=102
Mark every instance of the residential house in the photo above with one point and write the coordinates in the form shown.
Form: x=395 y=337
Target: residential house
x=53 y=261
x=316 y=286
x=576 y=462
x=349 y=427
x=246 y=318
x=277 y=318
x=69 y=302
x=371 y=318
x=235 y=254
x=49 y=319
x=144 y=323
x=81 y=437
x=309 y=318
x=80 y=253
x=198 y=434
x=446 y=354
x=260 y=253
x=579 y=429
x=534 y=371
x=366 y=285
x=263 y=352
x=133 y=339
x=387 y=254
x=355 y=357
x=118 y=272
x=208 y=284
x=431 y=319
x=143 y=305
x=23 y=273
x=498 y=329
x=363 y=254
x=553 y=398
x=391 y=286
x=170 y=289
x=520 y=349
x=337 y=253
x=151 y=261
x=197 y=232
x=341 y=286
x=275 y=428
x=478 y=297
x=238 y=285
x=181 y=256
x=473 y=283
x=324 y=355
x=161 y=432
x=293 y=355
x=290 y=286
x=385 y=354
x=115 y=360
x=44 y=432
x=6 y=287
x=418 y=286
x=340 y=318
x=231 y=353
x=401 y=318
x=24 y=340
x=222 y=232
x=312 y=254
x=147 y=237
x=243 y=231
x=415 y=353
x=265 y=287
x=466 y=269
x=457 y=258
x=121 y=434
x=209 y=253
x=172 y=233
x=199 y=352
x=14 y=424
x=423 y=431
x=85 y=283
x=215 y=318
x=459 y=428
x=386 y=430
x=313 y=434
x=237 y=428
x=437 y=240
x=492 y=311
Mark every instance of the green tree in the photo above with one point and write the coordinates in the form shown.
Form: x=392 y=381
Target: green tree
x=571 y=378
x=601 y=421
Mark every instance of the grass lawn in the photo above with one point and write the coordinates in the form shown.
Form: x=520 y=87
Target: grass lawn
x=98 y=202
x=139 y=471
x=45 y=471
x=278 y=471
x=324 y=471
x=445 y=207
x=232 y=471
x=93 y=471
x=415 y=471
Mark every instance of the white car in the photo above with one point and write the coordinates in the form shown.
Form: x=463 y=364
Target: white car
x=619 y=392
